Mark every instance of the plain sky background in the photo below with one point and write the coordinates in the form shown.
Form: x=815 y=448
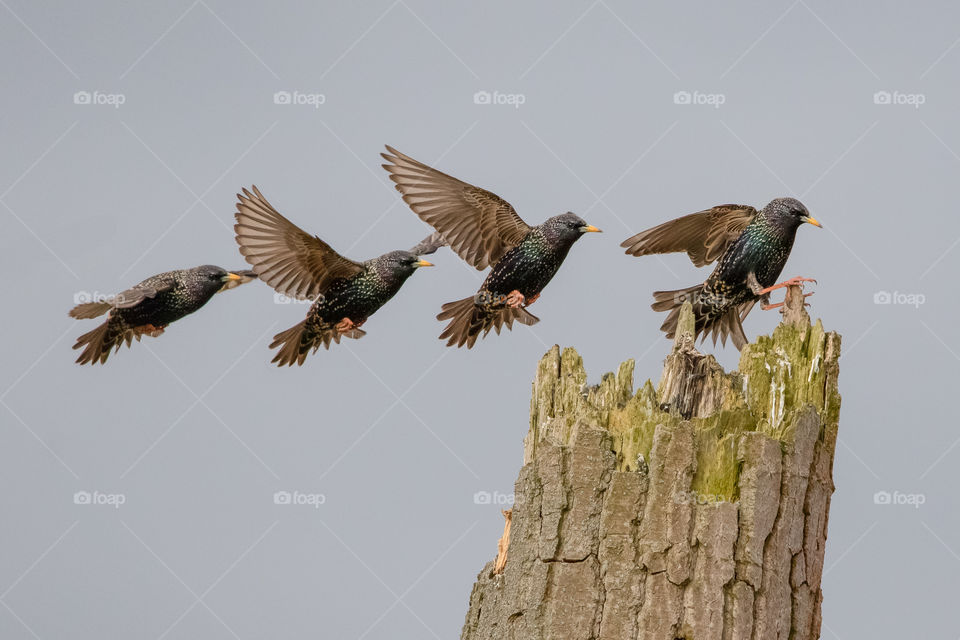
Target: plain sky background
x=197 y=430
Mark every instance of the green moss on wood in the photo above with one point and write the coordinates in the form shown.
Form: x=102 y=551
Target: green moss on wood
x=777 y=376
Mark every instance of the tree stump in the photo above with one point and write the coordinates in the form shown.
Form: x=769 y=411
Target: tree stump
x=696 y=510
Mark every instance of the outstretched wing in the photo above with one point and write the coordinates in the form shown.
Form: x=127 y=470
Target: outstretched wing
x=479 y=226
x=704 y=235
x=287 y=258
x=428 y=245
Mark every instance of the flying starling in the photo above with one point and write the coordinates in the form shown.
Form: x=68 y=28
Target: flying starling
x=344 y=293
x=147 y=308
x=486 y=231
x=750 y=248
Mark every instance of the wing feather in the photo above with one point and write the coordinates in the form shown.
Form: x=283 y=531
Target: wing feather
x=284 y=256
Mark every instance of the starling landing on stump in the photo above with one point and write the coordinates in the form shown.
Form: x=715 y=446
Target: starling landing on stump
x=345 y=293
x=147 y=308
x=484 y=230
x=750 y=247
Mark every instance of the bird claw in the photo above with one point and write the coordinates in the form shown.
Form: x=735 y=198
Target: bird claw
x=777 y=305
x=345 y=326
x=515 y=299
x=149 y=330
x=797 y=281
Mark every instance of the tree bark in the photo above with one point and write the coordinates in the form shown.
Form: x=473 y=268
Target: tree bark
x=697 y=510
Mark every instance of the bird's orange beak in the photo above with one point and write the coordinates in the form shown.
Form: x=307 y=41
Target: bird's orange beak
x=232 y=276
x=590 y=229
x=422 y=263
x=813 y=221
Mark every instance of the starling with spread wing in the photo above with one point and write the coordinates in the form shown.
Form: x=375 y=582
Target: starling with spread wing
x=750 y=248
x=486 y=231
x=147 y=308
x=345 y=293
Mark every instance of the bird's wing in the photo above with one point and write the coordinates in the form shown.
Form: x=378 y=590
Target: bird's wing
x=479 y=226
x=136 y=294
x=428 y=245
x=287 y=258
x=704 y=235
x=246 y=275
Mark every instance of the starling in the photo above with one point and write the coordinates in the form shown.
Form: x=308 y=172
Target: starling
x=147 y=308
x=486 y=231
x=750 y=247
x=344 y=293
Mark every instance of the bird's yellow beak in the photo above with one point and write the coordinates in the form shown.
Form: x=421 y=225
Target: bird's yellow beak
x=812 y=221
x=590 y=229
x=231 y=277
x=422 y=263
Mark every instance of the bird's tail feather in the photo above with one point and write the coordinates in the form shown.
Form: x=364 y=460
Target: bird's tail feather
x=707 y=320
x=98 y=343
x=302 y=339
x=88 y=310
x=470 y=321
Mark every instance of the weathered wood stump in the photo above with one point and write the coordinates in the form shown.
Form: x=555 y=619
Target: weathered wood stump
x=696 y=510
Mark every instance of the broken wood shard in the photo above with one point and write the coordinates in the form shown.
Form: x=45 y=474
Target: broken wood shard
x=694 y=510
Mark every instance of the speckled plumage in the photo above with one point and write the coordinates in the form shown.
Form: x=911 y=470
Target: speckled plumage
x=751 y=249
x=486 y=231
x=148 y=307
x=345 y=293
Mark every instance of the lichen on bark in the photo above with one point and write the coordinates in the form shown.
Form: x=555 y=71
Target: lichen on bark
x=696 y=509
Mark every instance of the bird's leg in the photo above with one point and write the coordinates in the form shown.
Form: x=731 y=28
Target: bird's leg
x=777 y=305
x=514 y=299
x=532 y=300
x=786 y=283
x=754 y=284
x=151 y=330
x=346 y=325
x=792 y=282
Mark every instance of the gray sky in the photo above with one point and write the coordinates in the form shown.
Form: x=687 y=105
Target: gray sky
x=197 y=430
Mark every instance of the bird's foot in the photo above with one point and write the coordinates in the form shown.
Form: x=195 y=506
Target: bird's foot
x=515 y=299
x=150 y=330
x=777 y=305
x=787 y=283
x=346 y=326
